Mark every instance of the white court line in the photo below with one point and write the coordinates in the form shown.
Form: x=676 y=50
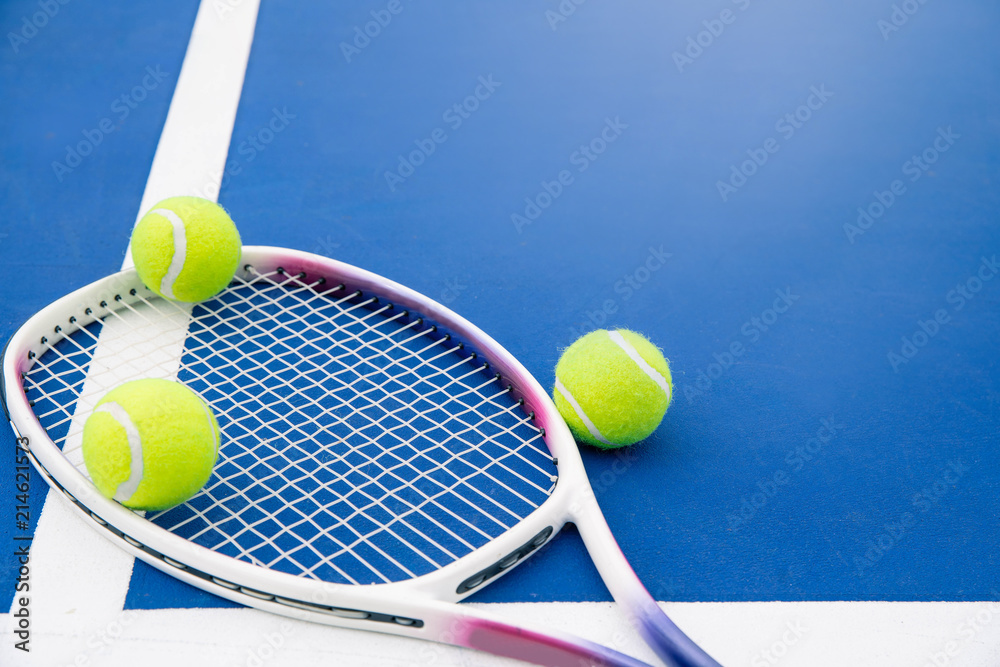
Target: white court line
x=194 y=144
x=738 y=634
x=80 y=579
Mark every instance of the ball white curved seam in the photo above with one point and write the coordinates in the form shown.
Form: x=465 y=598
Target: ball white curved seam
x=561 y=388
x=634 y=355
x=180 y=252
x=127 y=488
x=216 y=436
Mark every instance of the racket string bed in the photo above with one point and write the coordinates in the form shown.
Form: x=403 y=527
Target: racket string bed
x=361 y=445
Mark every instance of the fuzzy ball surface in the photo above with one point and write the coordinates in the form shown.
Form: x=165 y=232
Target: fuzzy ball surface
x=612 y=387
x=150 y=444
x=186 y=249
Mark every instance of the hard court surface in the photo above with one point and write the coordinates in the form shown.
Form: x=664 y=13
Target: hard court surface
x=798 y=202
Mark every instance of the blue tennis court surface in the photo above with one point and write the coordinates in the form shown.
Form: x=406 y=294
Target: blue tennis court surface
x=798 y=202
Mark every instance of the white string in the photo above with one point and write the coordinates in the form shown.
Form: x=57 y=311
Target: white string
x=363 y=510
x=359 y=445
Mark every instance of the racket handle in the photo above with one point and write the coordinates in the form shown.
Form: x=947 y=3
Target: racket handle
x=480 y=630
x=670 y=643
x=674 y=647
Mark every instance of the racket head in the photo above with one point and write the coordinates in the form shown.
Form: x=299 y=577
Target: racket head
x=335 y=602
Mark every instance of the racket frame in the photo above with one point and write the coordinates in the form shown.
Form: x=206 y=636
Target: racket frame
x=419 y=607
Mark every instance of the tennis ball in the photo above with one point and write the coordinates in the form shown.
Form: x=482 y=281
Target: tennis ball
x=612 y=388
x=150 y=444
x=186 y=249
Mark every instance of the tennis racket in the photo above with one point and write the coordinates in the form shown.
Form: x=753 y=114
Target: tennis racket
x=382 y=457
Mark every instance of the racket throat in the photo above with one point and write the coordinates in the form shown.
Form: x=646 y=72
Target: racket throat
x=671 y=644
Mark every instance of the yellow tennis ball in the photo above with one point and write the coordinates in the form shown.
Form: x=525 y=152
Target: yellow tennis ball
x=150 y=444
x=612 y=388
x=186 y=249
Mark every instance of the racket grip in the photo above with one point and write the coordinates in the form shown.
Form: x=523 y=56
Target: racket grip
x=549 y=649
